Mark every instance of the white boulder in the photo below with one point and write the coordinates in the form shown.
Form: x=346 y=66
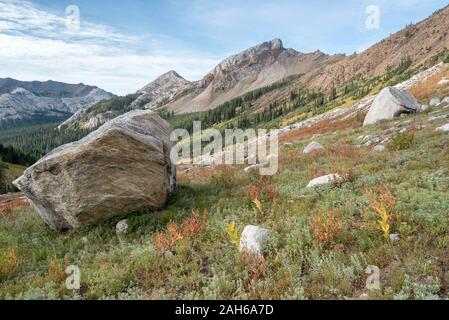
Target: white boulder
x=443 y=81
x=435 y=102
x=331 y=178
x=253 y=239
x=444 y=128
x=312 y=147
x=379 y=148
x=390 y=103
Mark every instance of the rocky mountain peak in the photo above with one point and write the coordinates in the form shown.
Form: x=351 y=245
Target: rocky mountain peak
x=169 y=79
x=252 y=59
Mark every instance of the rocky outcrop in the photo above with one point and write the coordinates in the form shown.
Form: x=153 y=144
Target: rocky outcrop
x=34 y=101
x=161 y=91
x=389 y=103
x=119 y=169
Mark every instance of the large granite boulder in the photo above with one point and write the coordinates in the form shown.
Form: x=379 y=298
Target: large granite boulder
x=119 y=169
x=389 y=103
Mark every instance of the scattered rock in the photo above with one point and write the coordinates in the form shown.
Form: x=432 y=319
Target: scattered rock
x=287 y=144
x=423 y=108
x=395 y=237
x=370 y=140
x=331 y=178
x=253 y=167
x=390 y=103
x=312 y=147
x=445 y=100
x=252 y=239
x=436 y=118
x=435 y=102
x=444 y=128
x=380 y=148
x=443 y=81
x=121 y=168
x=122 y=227
x=364 y=296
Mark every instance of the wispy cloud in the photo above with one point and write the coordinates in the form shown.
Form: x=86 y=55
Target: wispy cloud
x=37 y=45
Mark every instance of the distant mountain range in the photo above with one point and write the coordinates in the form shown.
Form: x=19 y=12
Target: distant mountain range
x=25 y=103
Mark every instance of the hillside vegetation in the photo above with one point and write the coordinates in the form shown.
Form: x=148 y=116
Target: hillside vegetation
x=322 y=239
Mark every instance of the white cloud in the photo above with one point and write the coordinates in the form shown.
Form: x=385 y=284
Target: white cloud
x=36 y=45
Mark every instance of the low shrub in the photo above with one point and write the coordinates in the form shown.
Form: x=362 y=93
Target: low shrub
x=402 y=141
x=326 y=227
x=188 y=229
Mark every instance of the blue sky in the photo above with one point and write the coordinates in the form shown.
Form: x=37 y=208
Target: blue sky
x=122 y=45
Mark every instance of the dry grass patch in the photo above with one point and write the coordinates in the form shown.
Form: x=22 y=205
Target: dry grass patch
x=10 y=262
x=430 y=88
x=322 y=127
x=10 y=203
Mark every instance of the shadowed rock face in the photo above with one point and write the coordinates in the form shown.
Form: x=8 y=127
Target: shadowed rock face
x=119 y=169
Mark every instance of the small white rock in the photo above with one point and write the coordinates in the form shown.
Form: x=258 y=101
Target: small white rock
x=443 y=81
x=444 y=128
x=364 y=296
x=395 y=237
x=423 y=108
x=252 y=239
x=122 y=227
x=435 y=102
x=331 y=178
x=313 y=146
x=379 y=148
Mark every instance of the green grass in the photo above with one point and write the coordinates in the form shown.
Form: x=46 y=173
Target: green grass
x=297 y=265
x=10 y=173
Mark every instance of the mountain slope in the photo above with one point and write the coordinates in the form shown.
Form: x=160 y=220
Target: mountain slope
x=249 y=70
x=39 y=102
x=418 y=42
x=257 y=70
x=254 y=68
